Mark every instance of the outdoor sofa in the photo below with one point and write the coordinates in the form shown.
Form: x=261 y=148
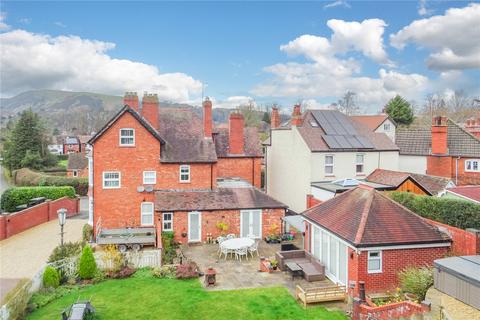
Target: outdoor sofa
x=313 y=270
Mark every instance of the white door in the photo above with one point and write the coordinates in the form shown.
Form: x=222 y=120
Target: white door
x=251 y=223
x=194 y=226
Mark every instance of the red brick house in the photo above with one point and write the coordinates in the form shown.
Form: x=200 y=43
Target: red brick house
x=362 y=235
x=472 y=125
x=77 y=166
x=159 y=167
x=445 y=150
x=71 y=144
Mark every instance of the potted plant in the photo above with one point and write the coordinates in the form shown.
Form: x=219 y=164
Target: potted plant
x=273 y=236
x=274 y=264
x=222 y=227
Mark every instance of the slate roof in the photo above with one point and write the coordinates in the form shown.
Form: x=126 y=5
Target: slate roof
x=77 y=161
x=218 y=199
x=71 y=140
x=314 y=136
x=431 y=184
x=364 y=217
x=251 y=140
x=371 y=121
x=471 y=192
x=418 y=141
x=84 y=138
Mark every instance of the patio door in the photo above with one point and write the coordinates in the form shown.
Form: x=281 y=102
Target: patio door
x=194 y=226
x=251 y=223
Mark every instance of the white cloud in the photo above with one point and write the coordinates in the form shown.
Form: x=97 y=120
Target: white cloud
x=314 y=104
x=60 y=24
x=453 y=37
x=422 y=8
x=3 y=25
x=337 y=3
x=37 y=61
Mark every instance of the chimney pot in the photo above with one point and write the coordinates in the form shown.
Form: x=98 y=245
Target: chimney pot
x=207 y=118
x=235 y=134
x=296 y=116
x=131 y=99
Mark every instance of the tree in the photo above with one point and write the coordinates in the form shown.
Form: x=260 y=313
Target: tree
x=266 y=117
x=347 y=104
x=87 y=265
x=27 y=139
x=399 y=110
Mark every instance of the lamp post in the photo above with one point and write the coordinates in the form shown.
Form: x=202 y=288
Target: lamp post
x=62 y=215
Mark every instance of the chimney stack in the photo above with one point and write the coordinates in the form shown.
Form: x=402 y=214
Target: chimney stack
x=235 y=133
x=131 y=99
x=207 y=118
x=439 y=135
x=296 y=116
x=275 y=118
x=150 y=109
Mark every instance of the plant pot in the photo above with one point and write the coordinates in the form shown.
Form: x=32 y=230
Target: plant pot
x=184 y=234
x=274 y=267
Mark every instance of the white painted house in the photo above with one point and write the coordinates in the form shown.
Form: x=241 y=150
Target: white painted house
x=322 y=145
x=380 y=123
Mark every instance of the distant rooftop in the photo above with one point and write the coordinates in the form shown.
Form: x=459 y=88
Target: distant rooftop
x=464 y=267
x=232 y=183
x=339 y=186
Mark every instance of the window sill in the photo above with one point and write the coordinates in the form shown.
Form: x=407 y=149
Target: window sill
x=127 y=146
x=360 y=174
x=184 y=181
x=330 y=175
x=373 y=272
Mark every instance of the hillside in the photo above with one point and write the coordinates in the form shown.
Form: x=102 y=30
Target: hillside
x=78 y=112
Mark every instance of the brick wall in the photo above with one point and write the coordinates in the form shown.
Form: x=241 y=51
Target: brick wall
x=463 y=242
x=81 y=173
x=270 y=217
x=394 y=261
x=13 y=223
x=399 y=310
x=312 y=201
x=439 y=166
x=248 y=169
x=446 y=166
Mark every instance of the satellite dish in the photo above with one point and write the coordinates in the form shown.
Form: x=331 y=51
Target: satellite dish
x=140 y=189
x=149 y=188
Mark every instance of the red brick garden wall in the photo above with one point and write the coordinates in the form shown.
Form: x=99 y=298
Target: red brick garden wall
x=248 y=169
x=463 y=242
x=270 y=217
x=17 y=222
x=399 y=310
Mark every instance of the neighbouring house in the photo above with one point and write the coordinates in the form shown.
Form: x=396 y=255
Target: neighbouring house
x=472 y=125
x=445 y=150
x=77 y=165
x=411 y=182
x=71 y=144
x=83 y=140
x=380 y=123
x=362 y=235
x=468 y=193
x=323 y=191
x=321 y=146
x=170 y=169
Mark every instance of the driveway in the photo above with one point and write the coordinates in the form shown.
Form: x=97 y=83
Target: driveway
x=24 y=254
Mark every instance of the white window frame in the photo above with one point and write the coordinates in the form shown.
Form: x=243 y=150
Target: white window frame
x=180 y=173
x=387 y=126
x=360 y=163
x=332 y=165
x=471 y=162
x=120 y=138
x=110 y=179
x=142 y=213
x=154 y=177
x=75 y=173
x=379 y=258
x=168 y=221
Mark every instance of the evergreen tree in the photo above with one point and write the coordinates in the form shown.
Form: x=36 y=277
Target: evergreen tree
x=87 y=265
x=28 y=135
x=266 y=117
x=399 y=110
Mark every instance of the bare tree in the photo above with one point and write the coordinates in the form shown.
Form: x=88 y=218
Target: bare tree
x=347 y=104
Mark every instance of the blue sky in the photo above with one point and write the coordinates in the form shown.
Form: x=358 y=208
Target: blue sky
x=229 y=46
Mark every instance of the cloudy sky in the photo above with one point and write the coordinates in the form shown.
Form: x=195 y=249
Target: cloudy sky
x=281 y=52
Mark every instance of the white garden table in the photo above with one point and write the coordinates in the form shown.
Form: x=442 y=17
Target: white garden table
x=237 y=243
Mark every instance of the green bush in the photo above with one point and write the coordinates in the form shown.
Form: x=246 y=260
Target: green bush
x=458 y=213
x=87 y=266
x=45 y=296
x=16 y=196
x=51 y=278
x=416 y=281
x=17 y=299
x=167 y=271
x=69 y=249
x=87 y=232
x=169 y=246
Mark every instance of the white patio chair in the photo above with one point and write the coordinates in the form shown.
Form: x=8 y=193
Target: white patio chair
x=230 y=236
x=220 y=239
x=239 y=253
x=225 y=252
x=253 y=248
x=251 y=236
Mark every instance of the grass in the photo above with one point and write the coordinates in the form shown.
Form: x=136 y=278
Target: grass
x=146 y=297
x=63 y=163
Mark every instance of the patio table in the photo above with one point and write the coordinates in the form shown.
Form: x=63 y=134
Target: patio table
x=237 y=243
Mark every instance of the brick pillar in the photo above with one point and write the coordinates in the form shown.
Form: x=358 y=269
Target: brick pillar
x=356 y=309
x=131 y=99
x=235 y=134
x=51 y=215
x=150 y=109
x=158 y=227
x=3 y=226
x=476 y=232
x=207 y=118
x=77 y=206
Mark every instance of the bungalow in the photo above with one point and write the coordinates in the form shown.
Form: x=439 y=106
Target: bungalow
x=362 y=235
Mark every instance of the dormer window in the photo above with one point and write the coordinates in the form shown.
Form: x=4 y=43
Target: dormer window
x=127 y=137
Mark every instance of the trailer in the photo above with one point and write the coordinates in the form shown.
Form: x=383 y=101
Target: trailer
x=126 y=238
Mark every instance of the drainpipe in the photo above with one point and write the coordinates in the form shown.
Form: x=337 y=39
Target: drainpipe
x=456 y=169
x=90 y=183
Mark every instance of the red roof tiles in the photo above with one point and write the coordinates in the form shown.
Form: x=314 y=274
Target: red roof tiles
x=371 y=121
x=471 y=192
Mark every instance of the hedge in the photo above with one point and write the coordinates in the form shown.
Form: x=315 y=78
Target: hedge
x=458 y=213
x=27 y=177
x=14 y=197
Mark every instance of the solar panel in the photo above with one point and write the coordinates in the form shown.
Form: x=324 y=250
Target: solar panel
x=331 y=142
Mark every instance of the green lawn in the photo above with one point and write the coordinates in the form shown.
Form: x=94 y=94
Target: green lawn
x=145 y=297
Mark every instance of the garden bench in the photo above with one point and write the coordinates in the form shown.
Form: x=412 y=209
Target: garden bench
x=320 y=294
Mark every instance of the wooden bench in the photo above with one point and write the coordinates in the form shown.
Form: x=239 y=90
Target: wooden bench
x=320 y=294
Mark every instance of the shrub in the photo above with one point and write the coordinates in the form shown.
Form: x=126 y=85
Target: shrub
x=112 y=258
x=87 y=232
x=45 y=296
x=187 y=271
x=165 y=272
x=416 y=281
x=458 y=213
x=99 y=276
x=51 y=278
x=17 y=299
x=14 y=197
x=169 y=245
x=87 y=266
x=124 y=273
x=69 y=249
